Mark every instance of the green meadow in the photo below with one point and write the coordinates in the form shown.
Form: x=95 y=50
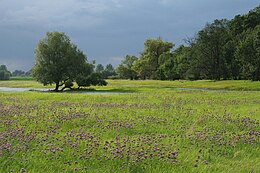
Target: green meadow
x=132 y=126
x=247 y=85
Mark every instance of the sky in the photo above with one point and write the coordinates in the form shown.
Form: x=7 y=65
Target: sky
x=105 y=30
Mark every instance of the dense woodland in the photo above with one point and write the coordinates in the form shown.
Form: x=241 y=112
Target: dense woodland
x=223 y=49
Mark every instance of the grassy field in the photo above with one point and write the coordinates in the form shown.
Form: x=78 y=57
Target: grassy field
x=149 y=127
x=241 y=85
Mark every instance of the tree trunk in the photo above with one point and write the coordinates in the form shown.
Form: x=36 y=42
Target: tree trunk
x=57 y=87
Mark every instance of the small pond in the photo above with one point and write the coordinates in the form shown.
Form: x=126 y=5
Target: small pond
x=7 y=89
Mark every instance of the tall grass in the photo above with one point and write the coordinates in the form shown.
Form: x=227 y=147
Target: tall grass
x=154 y=128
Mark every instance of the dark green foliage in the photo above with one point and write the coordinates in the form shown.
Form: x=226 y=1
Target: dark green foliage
x=4 y=73
x=149 y=60
x=92 y=79
x=57 y=60
x=209 y=47
x=21 y=73
x=183 y=62
x=99 y=68
x=96 y=79
x=125 y=69
x=88 y=77
x=18 y=73
x=141 y=66
x=108 y=71
x=228 y=49
x=248 y=52
x=60 y=62
x=166 y=69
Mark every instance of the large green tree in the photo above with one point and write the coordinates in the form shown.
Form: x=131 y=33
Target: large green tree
x=209 y=49
x=166 y=69
x=183 y=62
x=125 y=68
x=148 y=63
x=58 y=61
x=142 y=68
x=248 y=52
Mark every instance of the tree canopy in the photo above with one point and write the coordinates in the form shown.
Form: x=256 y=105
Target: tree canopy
x=125 y=68
x=148 y=63
x=58 y=61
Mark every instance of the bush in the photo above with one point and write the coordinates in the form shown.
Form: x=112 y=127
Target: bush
x=92 y=79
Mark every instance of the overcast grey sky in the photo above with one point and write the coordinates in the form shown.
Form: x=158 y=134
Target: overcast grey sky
x=106 y=30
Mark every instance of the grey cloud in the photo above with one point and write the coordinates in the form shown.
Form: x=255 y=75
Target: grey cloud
x=51 y=13
x=105 y=29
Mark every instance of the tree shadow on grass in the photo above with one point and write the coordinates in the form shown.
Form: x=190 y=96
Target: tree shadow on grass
x=88 y=91
x=102 y=91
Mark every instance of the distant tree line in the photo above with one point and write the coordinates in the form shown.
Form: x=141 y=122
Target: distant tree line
x=224 y=49
x=21 y=73
x=107 y=72
x=5 y=74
